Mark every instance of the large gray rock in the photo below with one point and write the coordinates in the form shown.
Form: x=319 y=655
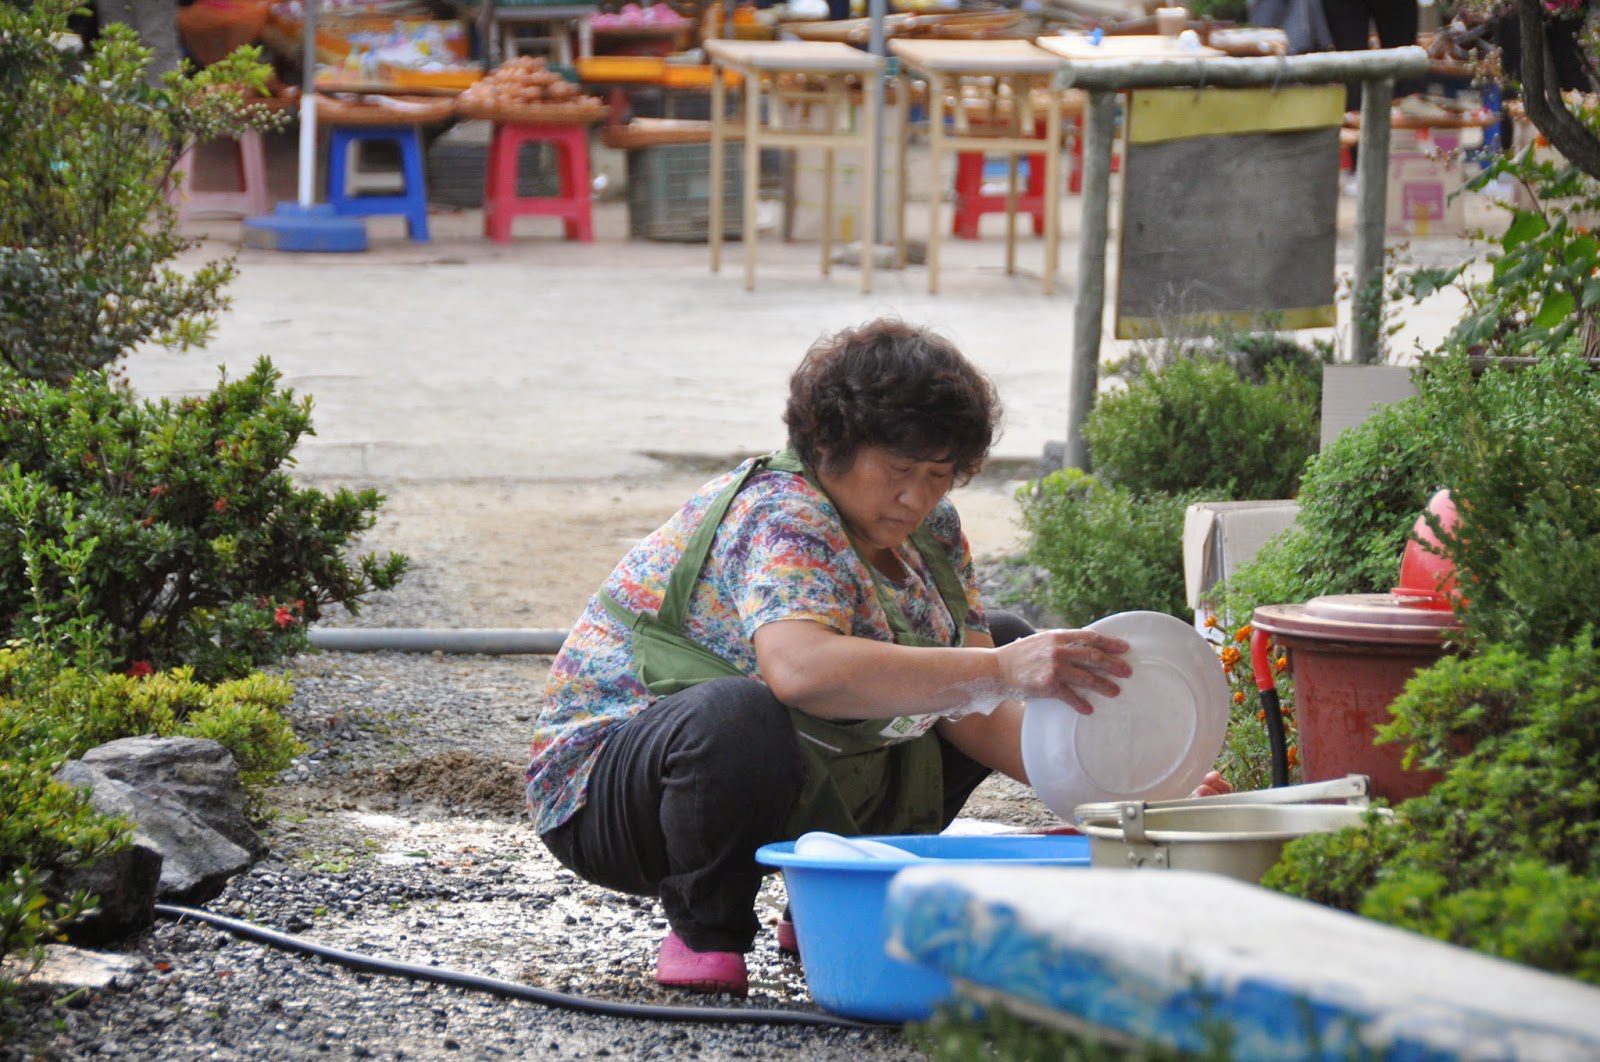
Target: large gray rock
x=124 y=884
x=185 y=802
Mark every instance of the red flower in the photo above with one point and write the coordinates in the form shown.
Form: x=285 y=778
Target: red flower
x=220 y=505
x=282 y=616
x=140 y=668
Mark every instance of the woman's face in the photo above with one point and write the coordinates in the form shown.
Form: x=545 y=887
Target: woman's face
x=884 y=496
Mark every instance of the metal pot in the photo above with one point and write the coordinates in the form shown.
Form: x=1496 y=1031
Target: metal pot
x=1240 y=835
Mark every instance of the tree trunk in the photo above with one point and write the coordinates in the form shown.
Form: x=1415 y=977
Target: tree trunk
x=156 y=22
x=1541 y=95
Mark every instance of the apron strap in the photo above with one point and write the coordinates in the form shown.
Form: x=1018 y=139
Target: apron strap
x=680 y=584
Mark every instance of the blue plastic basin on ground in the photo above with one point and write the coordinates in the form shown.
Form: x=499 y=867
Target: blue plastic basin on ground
x=837 y=906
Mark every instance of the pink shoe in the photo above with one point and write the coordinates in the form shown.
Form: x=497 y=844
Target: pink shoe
x=787 y=941
x=680 y=966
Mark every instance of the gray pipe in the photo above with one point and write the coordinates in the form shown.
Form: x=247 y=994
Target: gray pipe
x=496 y=640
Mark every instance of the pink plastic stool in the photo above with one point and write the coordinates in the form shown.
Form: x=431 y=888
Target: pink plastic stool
x=251 y=197
x=502 y=205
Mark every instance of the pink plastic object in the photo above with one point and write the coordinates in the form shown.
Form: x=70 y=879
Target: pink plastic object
x=1427 y=579
x=680 y=966
x=502 y=204
x=788 y=942
x=250 y=196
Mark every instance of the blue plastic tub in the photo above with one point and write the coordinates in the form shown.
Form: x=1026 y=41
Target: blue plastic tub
x=837 y=906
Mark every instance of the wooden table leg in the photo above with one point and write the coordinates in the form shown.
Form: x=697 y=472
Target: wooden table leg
x=869 y=192
x=1015 y=131
x=752 y=172
x=718 y=147
x=1052 y=190
x=936 y=189
x=903 y=101
x=830 y=116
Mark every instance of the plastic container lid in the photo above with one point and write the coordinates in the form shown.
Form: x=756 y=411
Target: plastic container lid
x=1382 y=619
x=1427 y=579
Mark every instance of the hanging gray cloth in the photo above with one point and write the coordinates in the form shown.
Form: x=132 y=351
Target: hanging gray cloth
x=1302 y=20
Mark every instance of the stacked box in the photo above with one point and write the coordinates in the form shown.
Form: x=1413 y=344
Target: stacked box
x=669 y=192
x=1422 y=180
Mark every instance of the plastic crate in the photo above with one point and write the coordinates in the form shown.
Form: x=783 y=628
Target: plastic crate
x=457 y=160
x=669 y=192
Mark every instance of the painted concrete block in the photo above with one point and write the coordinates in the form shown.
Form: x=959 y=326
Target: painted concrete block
x=1164 y=956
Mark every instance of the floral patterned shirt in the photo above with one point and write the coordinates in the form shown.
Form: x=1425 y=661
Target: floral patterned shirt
x=781 y=553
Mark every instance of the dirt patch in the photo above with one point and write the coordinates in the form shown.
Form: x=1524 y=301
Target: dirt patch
x=455 y=782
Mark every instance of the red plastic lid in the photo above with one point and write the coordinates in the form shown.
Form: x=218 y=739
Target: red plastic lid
x=1378 y=618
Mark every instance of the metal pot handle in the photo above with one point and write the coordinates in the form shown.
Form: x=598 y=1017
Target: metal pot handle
x=1354 y=789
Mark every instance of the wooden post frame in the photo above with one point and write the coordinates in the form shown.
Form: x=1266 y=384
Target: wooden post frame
x=1105 y=77
x=762 y=65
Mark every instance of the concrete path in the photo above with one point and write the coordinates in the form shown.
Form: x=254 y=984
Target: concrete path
x=461 y=358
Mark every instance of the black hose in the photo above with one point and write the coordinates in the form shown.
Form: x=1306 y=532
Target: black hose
x=1262 y=670
x=510 y=989
x=1275 y=737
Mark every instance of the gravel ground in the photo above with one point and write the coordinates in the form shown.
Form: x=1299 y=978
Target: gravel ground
x=399 y=833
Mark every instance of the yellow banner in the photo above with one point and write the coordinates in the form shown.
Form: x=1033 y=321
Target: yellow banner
x=1155 y=115
x=1235 y=320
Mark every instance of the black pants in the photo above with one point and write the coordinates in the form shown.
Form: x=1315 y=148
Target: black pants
x=684 y=793
x=1349 y=22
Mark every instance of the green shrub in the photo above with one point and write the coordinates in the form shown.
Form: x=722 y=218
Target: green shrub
x=1525 y=476
x=43 y=825
x=87 y=239
x=1541 y=294
x=1513 y=827
x=1197 y=425
x=172 y=531
x=51 y=712
x=1105 y=549
x=62 y=712
x=1359 y=499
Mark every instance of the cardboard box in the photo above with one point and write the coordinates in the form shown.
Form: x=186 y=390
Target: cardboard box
x=1352 y=393
x=1219 y=537
x=1420 y=199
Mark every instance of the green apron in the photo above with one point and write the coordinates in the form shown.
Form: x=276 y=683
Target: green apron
x=857 y=780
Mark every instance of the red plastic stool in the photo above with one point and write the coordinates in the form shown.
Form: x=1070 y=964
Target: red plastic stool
x=972 y=204
x=501 y=204
x=250 y=198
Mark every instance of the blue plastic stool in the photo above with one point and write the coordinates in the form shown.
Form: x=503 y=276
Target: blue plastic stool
x=412 y=204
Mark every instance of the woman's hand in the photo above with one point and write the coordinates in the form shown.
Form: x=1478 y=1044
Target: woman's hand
x=1063 y=665
x=1213 y=784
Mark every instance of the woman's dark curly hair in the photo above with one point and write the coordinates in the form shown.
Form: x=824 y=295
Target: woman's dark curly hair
x=890 y=384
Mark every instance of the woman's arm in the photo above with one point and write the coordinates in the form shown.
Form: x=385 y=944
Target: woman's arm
x=836 y=676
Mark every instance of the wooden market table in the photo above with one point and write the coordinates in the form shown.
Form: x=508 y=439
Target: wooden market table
x=768 y=67
x=1013 y=66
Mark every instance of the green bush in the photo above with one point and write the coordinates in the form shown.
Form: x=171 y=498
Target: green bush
x=1513 y=828
x=87 y=239
x=43 y=825
x=64 y=712
x=1542 y=292
x=1105 y=549
x=51 y=712
x=172 y=530
x=1359 y=499
x=1197 y=425
x=1525 y=475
